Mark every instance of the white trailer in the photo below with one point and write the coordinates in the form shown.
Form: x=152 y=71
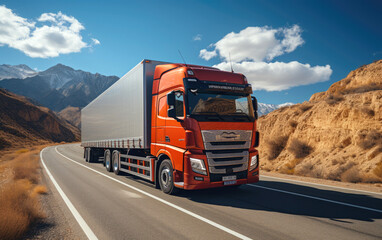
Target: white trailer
x=121 y=116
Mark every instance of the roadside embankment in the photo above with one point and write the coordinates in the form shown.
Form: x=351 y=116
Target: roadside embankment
x=20 y=206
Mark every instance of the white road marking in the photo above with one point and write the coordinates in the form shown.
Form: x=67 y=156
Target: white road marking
x=89 y=233
x=221 y=227
x=131 y=194
x=323 y=185
x=318 y=198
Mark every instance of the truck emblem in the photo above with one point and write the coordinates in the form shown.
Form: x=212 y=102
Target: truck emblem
x=228 y=135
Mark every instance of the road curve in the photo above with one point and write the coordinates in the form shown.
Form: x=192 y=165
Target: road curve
x=125 y=207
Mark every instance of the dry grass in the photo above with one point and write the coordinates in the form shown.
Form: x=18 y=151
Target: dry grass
x=365 y=88
x=289 y=168
x=378 y=170
x=370 y=139
x=351 y=175
x=299 y=149
x=367 y=111
x=293 y=123
x=305 y=107
x=333 y=99
x=40 y=189
x=276 y=146
x=19 y=194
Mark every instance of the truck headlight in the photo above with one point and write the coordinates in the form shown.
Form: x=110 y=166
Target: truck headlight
x=197 y=166
x=254 y=163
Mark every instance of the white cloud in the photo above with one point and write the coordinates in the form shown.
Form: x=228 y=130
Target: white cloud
x=207 y=55
x=198 y=37
x=55 y=34
x=277 y=76
x=258 y=43
x=251 y=51
x=95 y=41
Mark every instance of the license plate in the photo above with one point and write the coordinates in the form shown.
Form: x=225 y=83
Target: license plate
x=229 y=178
x=230 y=182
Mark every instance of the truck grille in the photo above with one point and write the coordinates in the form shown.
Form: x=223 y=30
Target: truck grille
x=227 y=150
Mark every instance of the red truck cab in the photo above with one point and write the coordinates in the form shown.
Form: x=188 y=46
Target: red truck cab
x=203 y=128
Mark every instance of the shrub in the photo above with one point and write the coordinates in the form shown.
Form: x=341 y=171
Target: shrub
x=351 y=175
x=276 y=146
x=293 y=123
x=305 y=107
x=304 y=169
x=370 y=140
x=331 y=99
x=363 y=89
x=378 y=170
x=369 y=112
x=299 y=149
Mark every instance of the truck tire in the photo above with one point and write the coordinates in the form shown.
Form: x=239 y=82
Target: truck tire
x=108 y=160
x=116 y=162
x=166 y=178
x=86 y=154
x=90 y=155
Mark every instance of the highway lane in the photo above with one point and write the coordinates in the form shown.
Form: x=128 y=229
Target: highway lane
x=271 y=209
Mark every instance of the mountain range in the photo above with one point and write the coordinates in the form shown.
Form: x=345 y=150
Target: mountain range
x=16 y=71
x=57 y=87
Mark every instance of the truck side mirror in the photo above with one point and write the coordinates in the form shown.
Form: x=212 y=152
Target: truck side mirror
x=172 y=107
x=171 y=99
x=255 y=107
x=254 y=103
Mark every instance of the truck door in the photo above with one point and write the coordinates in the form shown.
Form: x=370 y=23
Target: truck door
x=161 y=120
x=175 y=133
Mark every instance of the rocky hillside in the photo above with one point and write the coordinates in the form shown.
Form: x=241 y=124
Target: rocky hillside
x=72 y=115
x=60 y=86
x=336 y=135
x=23 y=124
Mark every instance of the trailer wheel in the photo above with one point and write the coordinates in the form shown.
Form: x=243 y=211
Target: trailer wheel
x=166 y=178
x=91 y=155
x=86 y=154
x=116 y=162
x=108 y=161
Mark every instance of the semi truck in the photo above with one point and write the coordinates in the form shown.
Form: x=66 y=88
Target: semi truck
x=178 y=126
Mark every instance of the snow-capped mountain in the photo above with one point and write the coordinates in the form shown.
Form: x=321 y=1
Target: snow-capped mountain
x=60 y=86
x=16 y=71
x=264 y=108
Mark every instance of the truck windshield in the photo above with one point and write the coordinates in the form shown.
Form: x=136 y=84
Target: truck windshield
x=220 y=107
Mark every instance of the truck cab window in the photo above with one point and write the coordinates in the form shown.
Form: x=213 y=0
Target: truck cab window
x=179 y=104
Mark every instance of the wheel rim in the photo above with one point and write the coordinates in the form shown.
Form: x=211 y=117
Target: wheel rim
x=115 y=163
x=165 y=177
x=108 y=160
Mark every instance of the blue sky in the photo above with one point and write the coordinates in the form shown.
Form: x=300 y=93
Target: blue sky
x=333 y=37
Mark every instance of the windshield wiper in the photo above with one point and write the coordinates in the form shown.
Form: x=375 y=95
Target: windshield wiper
x=215 y=113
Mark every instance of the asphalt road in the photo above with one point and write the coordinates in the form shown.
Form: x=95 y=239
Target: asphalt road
x=124 y=207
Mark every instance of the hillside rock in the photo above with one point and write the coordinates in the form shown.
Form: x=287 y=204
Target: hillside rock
x=22 y=123
x=72 y=115
x=337 y=135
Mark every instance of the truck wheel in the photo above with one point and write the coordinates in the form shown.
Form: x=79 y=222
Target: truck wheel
x=90 y=155
x=166 y=178
x=86 y=154
x=116 y=162
x=108 y=161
